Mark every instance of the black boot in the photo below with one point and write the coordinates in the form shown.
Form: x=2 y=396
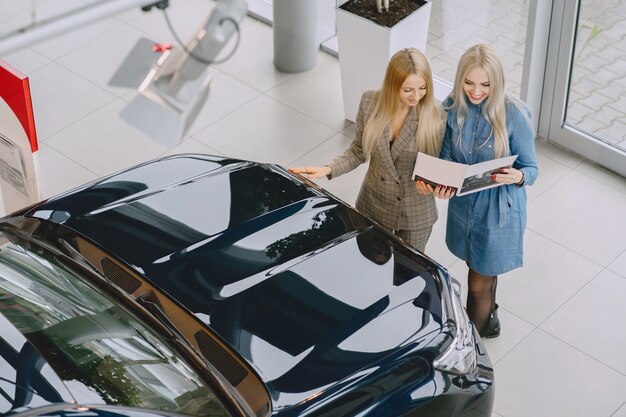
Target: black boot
x=492 y=328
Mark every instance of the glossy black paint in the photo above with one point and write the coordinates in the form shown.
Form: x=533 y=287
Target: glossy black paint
x=336 y=315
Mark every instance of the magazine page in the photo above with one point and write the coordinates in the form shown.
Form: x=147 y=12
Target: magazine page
x=478 y=176
x=435 y=171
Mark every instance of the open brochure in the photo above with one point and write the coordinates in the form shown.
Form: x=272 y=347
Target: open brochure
x=464 y=179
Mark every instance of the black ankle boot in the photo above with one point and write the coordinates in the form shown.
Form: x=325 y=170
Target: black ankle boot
x=492 y=328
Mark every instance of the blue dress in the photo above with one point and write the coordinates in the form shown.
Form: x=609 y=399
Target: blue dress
x=486 y=228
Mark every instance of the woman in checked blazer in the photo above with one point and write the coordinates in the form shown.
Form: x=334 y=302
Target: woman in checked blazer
x=393 y=124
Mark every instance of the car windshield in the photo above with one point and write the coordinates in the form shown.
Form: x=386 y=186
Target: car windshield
x=102 y=352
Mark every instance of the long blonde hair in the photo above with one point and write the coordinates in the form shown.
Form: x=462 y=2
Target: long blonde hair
x=402 y=64
x=485 y=57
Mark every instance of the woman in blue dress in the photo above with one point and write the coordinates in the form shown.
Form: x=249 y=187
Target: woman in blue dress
x=486 y=228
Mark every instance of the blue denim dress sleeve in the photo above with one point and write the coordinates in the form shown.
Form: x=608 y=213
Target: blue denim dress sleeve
x=446 y=147
x=486 y=229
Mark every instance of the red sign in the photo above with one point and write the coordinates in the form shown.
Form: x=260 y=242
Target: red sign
x=15 y=91
x=19 y=166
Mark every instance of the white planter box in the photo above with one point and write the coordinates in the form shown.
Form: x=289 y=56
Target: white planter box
x=366 y=47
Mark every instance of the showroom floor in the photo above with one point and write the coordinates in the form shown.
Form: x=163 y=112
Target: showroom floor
x=561 y=352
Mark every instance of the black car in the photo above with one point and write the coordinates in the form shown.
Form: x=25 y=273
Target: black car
x=208 y=286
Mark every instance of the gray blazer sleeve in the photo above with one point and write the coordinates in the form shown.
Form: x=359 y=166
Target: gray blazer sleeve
x=354 y=156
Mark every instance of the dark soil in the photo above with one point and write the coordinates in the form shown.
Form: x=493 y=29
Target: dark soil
x=398 y=10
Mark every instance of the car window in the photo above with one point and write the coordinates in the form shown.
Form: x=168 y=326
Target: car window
x=97 y=347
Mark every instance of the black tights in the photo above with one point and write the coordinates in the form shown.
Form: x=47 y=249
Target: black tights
x=481 y=298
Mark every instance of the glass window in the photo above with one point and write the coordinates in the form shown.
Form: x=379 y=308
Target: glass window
x=92 y=343
x=597 y=93
x=455 y=25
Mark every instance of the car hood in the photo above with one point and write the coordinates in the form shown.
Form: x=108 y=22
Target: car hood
x=302 y=286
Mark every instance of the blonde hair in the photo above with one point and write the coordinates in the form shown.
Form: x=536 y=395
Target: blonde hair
x=402 y=64
x=494 y=108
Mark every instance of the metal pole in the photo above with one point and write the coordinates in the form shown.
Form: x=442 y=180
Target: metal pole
x=295 y=35
x=60 y=24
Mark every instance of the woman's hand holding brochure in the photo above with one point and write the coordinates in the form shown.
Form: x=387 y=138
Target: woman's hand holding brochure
x=447 y=178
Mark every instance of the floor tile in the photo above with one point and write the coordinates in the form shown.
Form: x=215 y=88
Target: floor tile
x=61 y=44
x=550 y=276
x=60 y=173
x=25 y=60
x=514 y=327
x=9 y=8
x=60 y=98
x=619 y=265
x=350 y=130
x=190 y=145
x=131 y=14
x=544 y=377
x=253 y=62
x=186 y=19
x=110 y=147
x=225 y=96
x=99 y=61
x=346 y=186
x=571 y=214
x=594 y=320
x=558 y=154
x=36 y=13
x=617 y=182
x=621 y=412
x=316 y=93
x=550 y=172
x=514 y=331
x=265 y=131
x=248 y=21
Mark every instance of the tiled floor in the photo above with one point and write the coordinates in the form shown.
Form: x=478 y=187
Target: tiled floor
x=561 y=353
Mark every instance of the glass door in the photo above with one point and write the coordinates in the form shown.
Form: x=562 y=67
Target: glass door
x=584 y=103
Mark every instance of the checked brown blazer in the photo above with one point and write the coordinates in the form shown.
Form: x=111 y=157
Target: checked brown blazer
x=388 y=193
